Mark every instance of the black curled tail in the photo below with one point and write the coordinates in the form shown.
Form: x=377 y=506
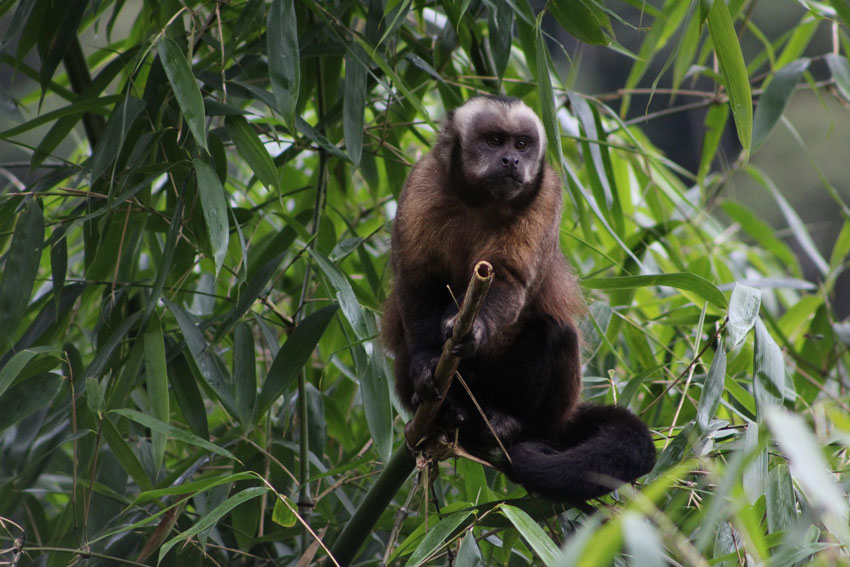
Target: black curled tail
x=603 y=447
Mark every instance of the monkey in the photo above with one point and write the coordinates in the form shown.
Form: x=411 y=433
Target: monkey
x=485 y=191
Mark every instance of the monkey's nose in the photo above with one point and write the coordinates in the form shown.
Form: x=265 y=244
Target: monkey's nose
x=510 y=161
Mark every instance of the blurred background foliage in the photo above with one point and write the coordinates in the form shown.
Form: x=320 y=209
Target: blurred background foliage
x=194 y=225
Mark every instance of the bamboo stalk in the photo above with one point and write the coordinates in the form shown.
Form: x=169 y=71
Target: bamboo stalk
x=402 y=463
x=422 y=424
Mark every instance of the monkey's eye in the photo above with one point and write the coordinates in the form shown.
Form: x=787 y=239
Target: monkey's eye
x=495 y=140
x=521 y=144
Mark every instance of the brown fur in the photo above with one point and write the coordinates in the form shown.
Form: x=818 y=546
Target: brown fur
x=484 y=192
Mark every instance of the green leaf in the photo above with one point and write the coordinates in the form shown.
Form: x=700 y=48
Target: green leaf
x=532 y=534
x=180 y=435
x=811 y=470
x=19 y=270
x=244 y=372
x=112 y=142
x=580 y=20
x=344 y=294
x=546 y=96
x=211 y=371
x=642 y=542
x=284 y=57
x=250 y=147
x=125 y=455
x=284 y=512
x=214 y=206
x=715 y=125
x=435 y=538
x=74 y=109
x=354 y=103
x=743 y=311
x=840 y=70
x=713 y=389
x=185 y=87
x=762 y=233
x=156 y=377
x=731 y=60
x=26 y=397
x=780 y=500
x=469 y=554
x=192 y=486
x=212 y=517
x=684 y=281
x=775 y=99
x=10 y=371
x=798 y=228
x=769 y=370
x=293 y=355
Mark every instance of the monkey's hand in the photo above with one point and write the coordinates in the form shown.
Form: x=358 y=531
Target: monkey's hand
x=470 y=344
x=422 y=365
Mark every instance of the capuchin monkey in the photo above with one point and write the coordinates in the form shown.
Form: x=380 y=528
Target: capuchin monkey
x=485 y=192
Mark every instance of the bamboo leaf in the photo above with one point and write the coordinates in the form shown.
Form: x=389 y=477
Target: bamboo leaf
x=532 y=534
x=170 y=431
x=344 y=294
x=125 y=455
x=156 y=377
x=244 y=372
x=212 y=517
x=775 y=99
x=712 y=390
x=252 y=149
x=284 y=57
x=798 y=228
x=354 y=103
x=10 y=371
x=20 y=269
x=26 y=397
x=840 y=70
x=213 y=373
x=293 y=355
x=215 y=208
x=435 y=538
x=743 y=311
x=731 y=60
x=185 y=87
x=284 y=512
x=642 y=542
x=683 y=281
x=580 y=20
x=769 y=370
x=811 y=470
x=842 y=8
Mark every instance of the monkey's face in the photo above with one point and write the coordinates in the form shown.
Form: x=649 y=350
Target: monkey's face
x=501 y=148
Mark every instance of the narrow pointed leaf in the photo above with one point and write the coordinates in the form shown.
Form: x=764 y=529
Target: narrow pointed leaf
x=743 y=312
x=683 y=281
x=435 y=538
x=125 y=455
x=579 y=20
x=724 y=37
x=354 y=103
x=250 y=147
x=212 y=517
x=769 y=370
x=244 y=372
x=214 y=206
x=284 y=57
x=26 y=397
x=169 y=430
x=211 y=371
x=533 y=534
x=775 y=99
x=713 y=389
x=185 y=87
x=156 y=377
x=293 y=355
x=20 y=269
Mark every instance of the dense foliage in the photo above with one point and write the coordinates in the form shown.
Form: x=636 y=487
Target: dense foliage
x=194 y=259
